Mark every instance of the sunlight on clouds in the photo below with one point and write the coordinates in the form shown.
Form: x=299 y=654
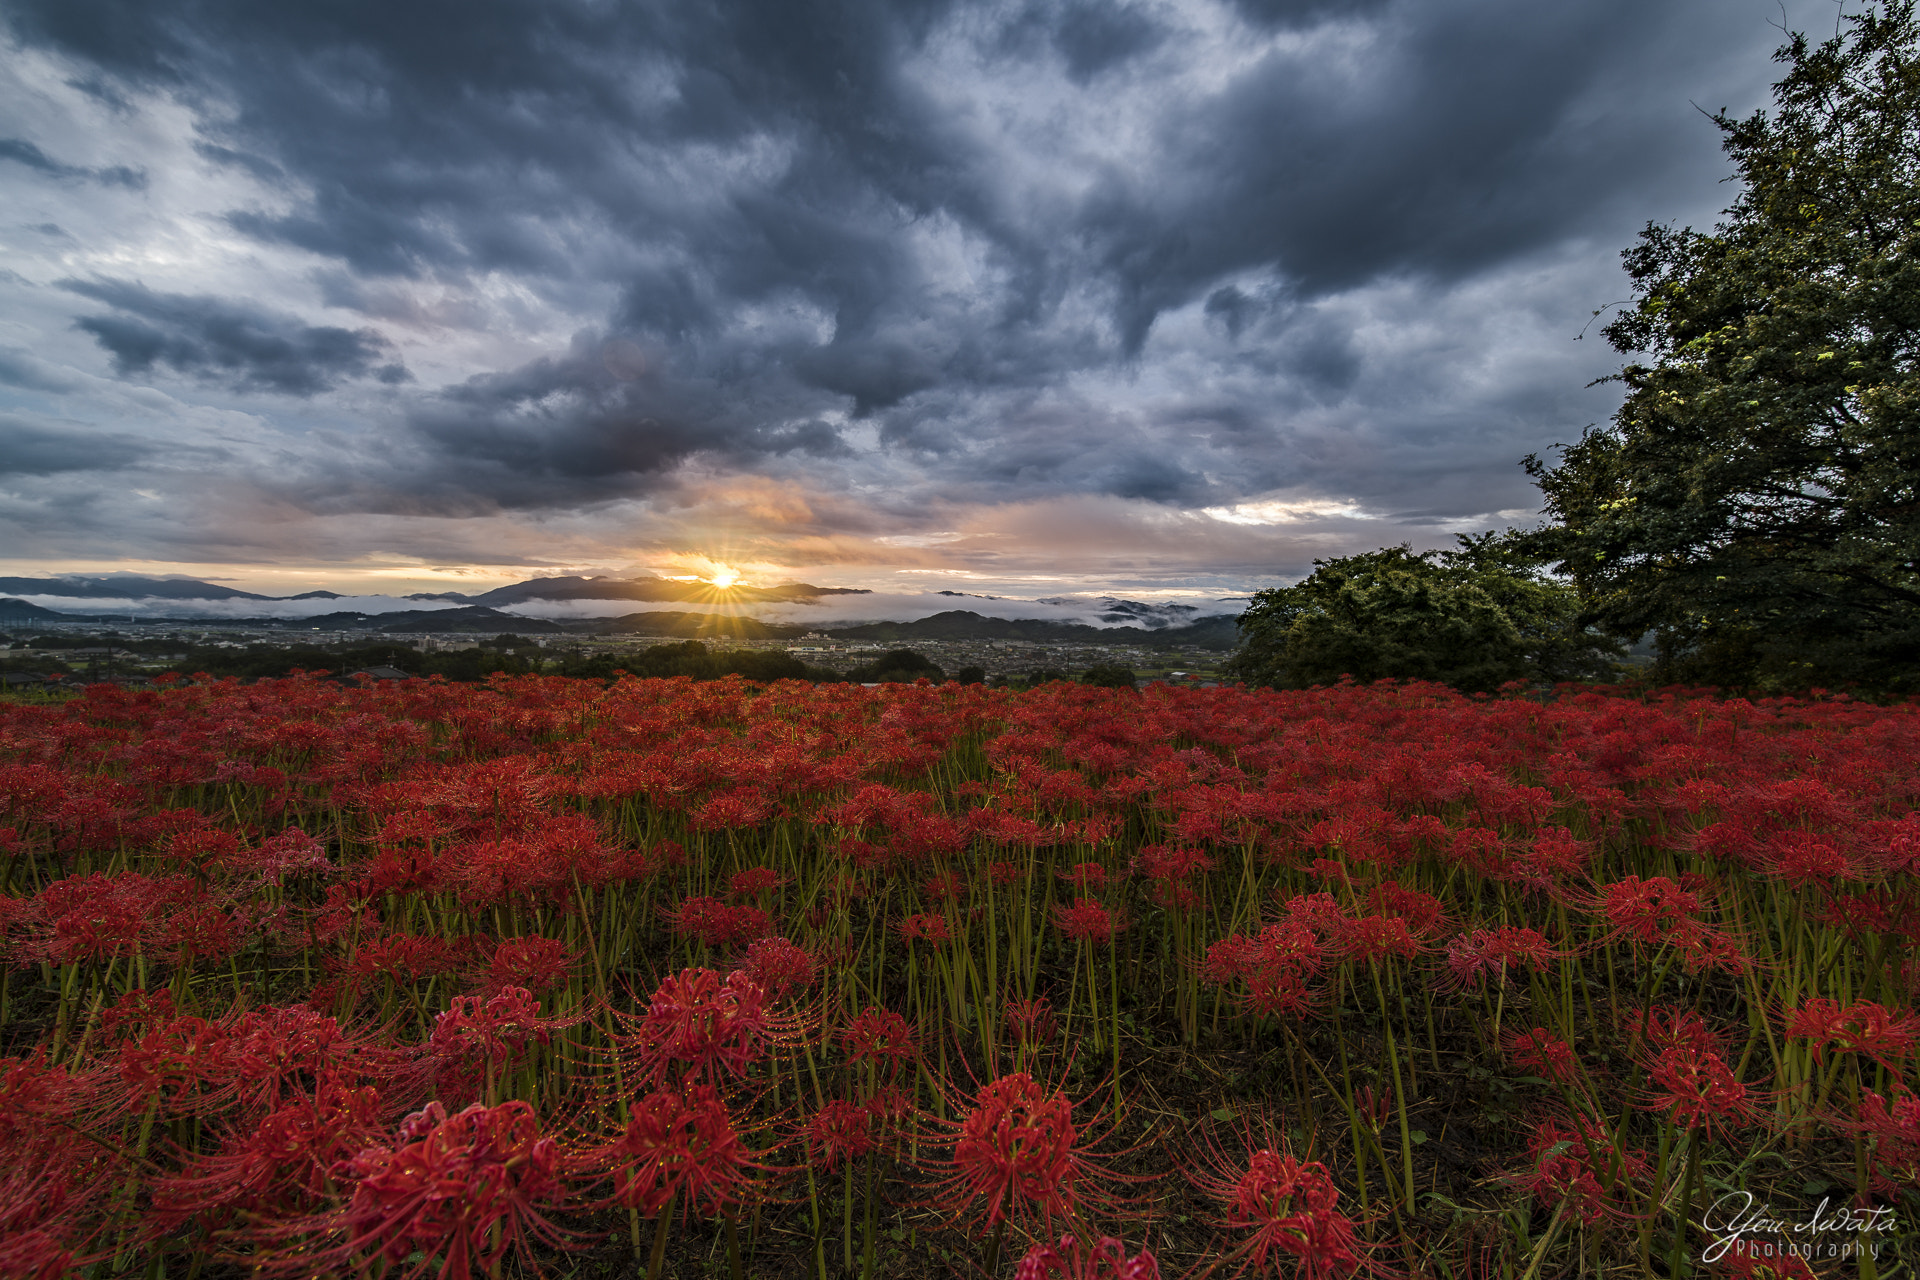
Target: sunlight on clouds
x=1286 y=512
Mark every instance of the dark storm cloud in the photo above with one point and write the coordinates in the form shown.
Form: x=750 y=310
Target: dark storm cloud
x=28 y=450
x=22 y=152
x=602 y=423
x=1467 y=158
x=796 y=224
x=249 y=347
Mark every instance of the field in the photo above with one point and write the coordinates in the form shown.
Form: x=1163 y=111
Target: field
x=676 y=978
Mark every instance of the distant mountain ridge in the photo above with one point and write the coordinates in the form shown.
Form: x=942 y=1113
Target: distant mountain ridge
x=128 y=586
x=173 y=600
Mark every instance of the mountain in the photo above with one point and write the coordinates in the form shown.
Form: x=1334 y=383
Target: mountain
x=17 y=613
x=125 y=586
x=469 y=619
x=1135 y=613
x=650 y=590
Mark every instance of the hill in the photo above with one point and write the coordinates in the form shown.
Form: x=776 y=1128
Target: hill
x=15 y=613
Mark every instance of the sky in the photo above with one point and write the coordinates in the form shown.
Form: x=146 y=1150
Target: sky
x=1158 y=298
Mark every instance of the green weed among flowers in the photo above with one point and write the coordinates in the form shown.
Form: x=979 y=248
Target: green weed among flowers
x=674 y=978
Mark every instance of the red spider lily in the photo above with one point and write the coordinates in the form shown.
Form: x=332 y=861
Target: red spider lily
x=185 y=1064
x=678 y=1147
x=716 y=924
x=1370 y=939
x=1648 y=912
x=1171 y=862
x=1275 y=966
x=535 y=963
x=1014 y=1157
x=944 y=886
x=928 y=928
x=1088 y=921
x=1106 y=1260
x=840 y=1130
x=1664 y=1027
x=1696 y=1088
x=1472 y=956
x=1862 y=1027
x=880 y=1036
x=754 y=881
x=1006 y=873
x=1758 y=1260
x=780 y=967
x=1288 y=1206
x=51 y=1177
x=476 y=1041
x=1319 y=912
x=1894 y=1125
x=283 y=1168
x=281 y=1046
x=1086 y=877
x=701 y=1027
x=463 y=1191
x=1542 y=1053
x=402 y=957
x=1576 y=1162
x=1424 y=914
x=1032 y=1021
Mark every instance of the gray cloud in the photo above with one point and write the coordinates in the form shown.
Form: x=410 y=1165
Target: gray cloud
x=26 y=153
x=249 y=347
x=990 y=251
x=28 y=450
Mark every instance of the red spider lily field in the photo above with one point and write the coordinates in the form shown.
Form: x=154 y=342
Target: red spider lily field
x=549 y=977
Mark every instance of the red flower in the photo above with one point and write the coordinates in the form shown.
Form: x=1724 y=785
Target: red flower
x=1862 y=1027
x=929 y=928
x=1032 y=1021
x=1086 y=877
x=698 y=1027
x=1579 y=1164
x=839 y=1130
x=1894 y=1125
x=679 y=1146
x=1107 y=1260
x=1014 y=1150
x=462 y=1191
x=715 y=924
x=780 y=967
x=476 y=1040
x=536 y=963
x=1696 y=1088
x=1087 y=921
x=880 y=1035
x=1289 y=1208
x=754 y=881
x=1541 y=1052
x=1484 y=951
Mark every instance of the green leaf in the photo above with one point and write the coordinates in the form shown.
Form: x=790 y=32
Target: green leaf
x=1223 y=1113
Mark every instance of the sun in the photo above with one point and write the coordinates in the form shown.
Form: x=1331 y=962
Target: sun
x=724 y=576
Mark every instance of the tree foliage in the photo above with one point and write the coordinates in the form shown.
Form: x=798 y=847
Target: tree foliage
x=1755 y=503
x=1474 y=618
x=898 y=666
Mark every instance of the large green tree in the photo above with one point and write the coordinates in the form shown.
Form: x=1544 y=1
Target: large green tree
x=1755 y=503
x=1474 y=618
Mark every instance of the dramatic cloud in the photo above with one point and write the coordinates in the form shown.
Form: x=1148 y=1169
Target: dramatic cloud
x=253 y=348
x=1176 y=292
